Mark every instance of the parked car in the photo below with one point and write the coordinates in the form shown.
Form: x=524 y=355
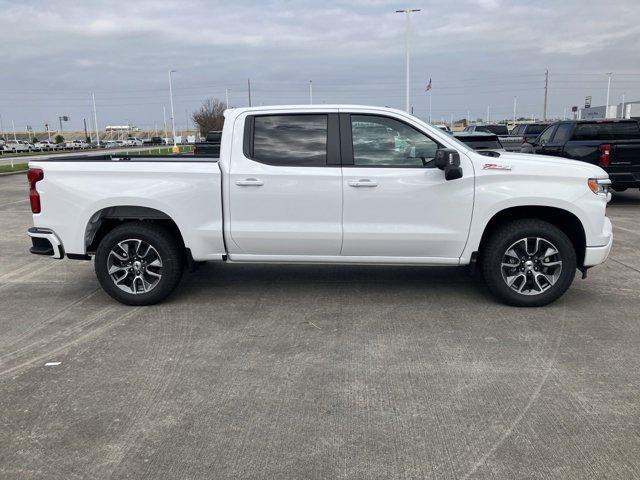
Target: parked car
x=613 y=145
x=76 y=144
x=483 y=142
x=444 y=128
x=211 y=145
x=45 y=145
x=18 y=146
x=498 y=129
x=521 y=134
x=133 y=142
x=316 y=184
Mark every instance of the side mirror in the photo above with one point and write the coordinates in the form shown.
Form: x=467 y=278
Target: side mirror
x=446 y=157
x=452 y=172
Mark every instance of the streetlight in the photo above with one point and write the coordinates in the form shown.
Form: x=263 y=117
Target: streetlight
x=606 y=112
x=407 y=12
x=175 y=148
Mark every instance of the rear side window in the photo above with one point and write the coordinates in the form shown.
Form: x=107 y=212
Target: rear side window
x=295 y=140
x=607 y=131
x=563 y=133
x=535 y=129
x=497 y=129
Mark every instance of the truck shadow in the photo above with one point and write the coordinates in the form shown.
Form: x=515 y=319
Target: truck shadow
x=628 y=197
x=309 y=278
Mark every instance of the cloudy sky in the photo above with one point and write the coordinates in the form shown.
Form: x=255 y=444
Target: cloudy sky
x=479 y=53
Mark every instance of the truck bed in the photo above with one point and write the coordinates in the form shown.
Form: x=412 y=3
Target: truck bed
x=186 y=189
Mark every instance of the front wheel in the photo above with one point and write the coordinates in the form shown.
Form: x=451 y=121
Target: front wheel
x=139 y=263
x=528 y=263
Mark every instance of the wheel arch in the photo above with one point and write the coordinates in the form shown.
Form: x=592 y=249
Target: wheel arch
x=563 y=219
x=106 y=219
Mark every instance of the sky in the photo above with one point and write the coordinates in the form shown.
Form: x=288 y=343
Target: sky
x=478 y=53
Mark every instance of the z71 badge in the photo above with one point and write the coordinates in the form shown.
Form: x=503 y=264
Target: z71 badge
x=496 y=166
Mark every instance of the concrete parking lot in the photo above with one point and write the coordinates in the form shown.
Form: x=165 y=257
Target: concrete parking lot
x=296 y=372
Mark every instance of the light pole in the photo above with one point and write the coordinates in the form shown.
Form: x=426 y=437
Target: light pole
x=515 y=104
x=606 y=112
x=95 y=118
x=310 y=92
x=164 y=118
x=226 y=97
x=623 y=113
x=407 y=12
x=173 y=119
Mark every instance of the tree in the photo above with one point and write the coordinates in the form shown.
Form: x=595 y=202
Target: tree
x=210 y=115
x=59 y=139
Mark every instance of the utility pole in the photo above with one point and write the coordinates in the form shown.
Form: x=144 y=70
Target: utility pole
x=546 y=91
x=226 y=97
x=173 y=117
x=164 y=117
x=310 y=92
x=515 y=104
x=407 y=12
x=95 y=117
x=606 y=112
x=249 y=89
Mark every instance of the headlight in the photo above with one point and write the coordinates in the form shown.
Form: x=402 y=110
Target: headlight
x=599 y=186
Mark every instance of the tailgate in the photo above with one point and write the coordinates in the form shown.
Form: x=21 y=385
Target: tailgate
x=624 y=164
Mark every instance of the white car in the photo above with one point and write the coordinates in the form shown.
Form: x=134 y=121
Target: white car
x=45 y=145
x=133 y=142
x=18 y=146
x=325 y=184
x=76 y=144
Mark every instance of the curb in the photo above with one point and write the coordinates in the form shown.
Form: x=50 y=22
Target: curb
x=4 y=174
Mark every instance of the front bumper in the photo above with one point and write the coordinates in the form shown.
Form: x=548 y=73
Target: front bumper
x=45 y=242
x=597 y=255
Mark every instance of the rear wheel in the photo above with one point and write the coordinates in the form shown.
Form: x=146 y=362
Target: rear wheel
x=139 y=263
x=528 y=263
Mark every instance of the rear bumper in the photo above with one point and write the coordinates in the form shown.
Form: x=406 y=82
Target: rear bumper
x=45 y=242
x=597 y=255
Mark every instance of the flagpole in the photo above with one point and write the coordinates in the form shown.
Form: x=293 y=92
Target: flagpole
x=429 y=106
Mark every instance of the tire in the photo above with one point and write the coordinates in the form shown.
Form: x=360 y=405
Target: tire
x=546 y=275
x=135 y=271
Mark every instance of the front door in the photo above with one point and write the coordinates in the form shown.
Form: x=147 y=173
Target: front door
x=396 y=203
x=286 y=187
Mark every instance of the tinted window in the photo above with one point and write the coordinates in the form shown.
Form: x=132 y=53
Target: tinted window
x=546 y=135
x=517 y=130
x=535 y=129
x=481 y=144
x=290 y=139
x=386 y=142
x=497 y=129
x=563 y=133
x=606 y=131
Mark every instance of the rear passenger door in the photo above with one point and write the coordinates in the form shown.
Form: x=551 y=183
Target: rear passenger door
x=285 y=191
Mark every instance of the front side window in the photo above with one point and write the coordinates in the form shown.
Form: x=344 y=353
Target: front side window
x=386 y=142
x=295 y=140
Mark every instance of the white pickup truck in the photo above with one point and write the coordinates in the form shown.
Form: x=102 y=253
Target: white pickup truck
x=324 y=184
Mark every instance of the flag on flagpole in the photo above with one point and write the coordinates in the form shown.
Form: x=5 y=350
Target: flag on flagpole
x=428 y=86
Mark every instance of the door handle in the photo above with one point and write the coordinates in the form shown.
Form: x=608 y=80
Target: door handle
x=250 y=182
x=363 y=182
